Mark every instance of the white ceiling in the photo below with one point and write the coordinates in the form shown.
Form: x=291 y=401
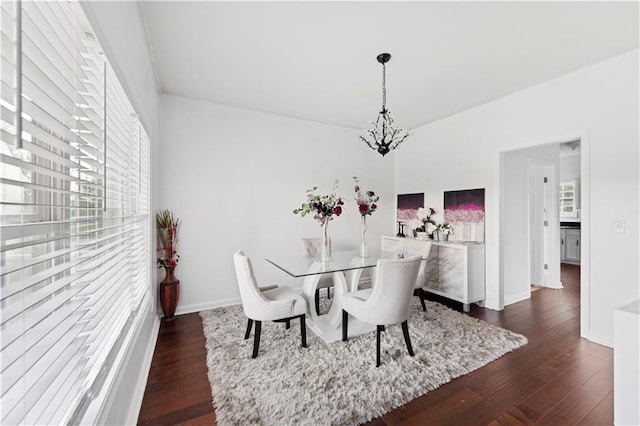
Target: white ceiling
x=317 y=60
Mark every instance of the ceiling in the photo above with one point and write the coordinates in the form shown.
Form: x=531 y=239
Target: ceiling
x=317 y=60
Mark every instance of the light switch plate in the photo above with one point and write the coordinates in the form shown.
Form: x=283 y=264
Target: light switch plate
x=617 y=225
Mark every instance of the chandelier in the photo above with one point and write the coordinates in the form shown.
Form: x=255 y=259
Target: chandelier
x=384 y=136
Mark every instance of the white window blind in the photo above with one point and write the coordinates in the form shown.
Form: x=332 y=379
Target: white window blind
x=74 y=213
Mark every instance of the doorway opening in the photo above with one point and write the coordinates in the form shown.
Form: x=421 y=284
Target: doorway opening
x=544 y=220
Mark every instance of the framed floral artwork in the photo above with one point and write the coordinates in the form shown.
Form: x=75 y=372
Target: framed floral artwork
x=464 y=210
x=408 y=205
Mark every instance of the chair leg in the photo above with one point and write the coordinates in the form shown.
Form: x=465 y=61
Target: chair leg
x=248 y=332
x=421 y=293
x=256 y=339
x=303 y=330
x=287 y=324
x=378 y=331
x=317 y=301
x=407 y=338
x=345 y=325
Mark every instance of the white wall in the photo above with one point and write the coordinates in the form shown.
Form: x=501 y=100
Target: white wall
x=516 y=241
x=569 y=167
x=600 y=103
x=119 y=401
x=234 y=176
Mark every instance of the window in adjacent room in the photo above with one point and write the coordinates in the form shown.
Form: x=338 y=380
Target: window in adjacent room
x=568 y=199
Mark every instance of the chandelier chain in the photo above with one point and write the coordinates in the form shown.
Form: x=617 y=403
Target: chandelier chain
x=384 y=87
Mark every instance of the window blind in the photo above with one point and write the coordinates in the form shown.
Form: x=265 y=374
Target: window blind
x=74 y=213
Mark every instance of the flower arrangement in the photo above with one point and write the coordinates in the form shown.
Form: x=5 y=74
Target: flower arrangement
x=424 y=215
x=323 y=207
x=167 y=227
x=366 y=201
x=445 y=229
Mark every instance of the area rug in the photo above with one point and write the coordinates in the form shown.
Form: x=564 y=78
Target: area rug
x=338 y=383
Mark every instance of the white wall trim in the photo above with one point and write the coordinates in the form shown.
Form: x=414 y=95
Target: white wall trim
x=198 y=307
x=557 y=286
x=600 y=340
x=585 y=237
x=517 y=298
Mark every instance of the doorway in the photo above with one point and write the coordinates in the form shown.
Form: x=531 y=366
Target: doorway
x=529 y=226
x=516 y=270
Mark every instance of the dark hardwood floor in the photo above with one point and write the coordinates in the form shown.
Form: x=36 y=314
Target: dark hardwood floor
x=556 y=379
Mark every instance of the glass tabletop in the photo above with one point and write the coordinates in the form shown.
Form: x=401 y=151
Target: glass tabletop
x=298 y=266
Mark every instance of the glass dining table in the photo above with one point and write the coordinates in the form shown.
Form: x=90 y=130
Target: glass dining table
x=346 y=268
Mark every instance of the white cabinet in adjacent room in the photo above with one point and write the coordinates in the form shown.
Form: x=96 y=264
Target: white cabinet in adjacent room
x=570 y=245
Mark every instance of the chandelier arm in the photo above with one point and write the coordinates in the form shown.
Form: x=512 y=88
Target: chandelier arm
x=368 y=143
x=398 y=142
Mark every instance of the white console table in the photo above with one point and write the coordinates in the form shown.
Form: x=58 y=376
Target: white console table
x=455 y=269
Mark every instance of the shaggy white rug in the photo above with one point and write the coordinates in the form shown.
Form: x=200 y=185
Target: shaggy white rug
x=338 y=383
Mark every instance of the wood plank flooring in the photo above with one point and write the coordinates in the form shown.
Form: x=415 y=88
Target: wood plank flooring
x=556 y=379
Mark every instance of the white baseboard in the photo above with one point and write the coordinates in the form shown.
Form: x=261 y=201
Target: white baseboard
x=557 y=286
x=601 y=340
x=516 y=298
x=198 y=307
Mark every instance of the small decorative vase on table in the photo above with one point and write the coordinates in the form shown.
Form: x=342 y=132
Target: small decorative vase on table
x=169 y=291
x=366 y=206
x=364 y=248
x=325 y=249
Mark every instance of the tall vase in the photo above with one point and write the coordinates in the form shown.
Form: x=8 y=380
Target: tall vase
x=364 y=248
x=325 y=250
x=169 y=294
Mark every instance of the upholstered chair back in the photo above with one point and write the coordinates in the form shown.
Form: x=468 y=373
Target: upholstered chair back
x=311 y=246
x=253 y=300
x=390 y=299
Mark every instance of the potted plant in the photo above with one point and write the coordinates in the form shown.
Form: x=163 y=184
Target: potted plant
x=167 y=231
x=444 y=230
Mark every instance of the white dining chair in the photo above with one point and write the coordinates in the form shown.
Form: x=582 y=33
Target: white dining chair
x=311 y=248
x=387 y=302
x=273 y=303
x=407 y=247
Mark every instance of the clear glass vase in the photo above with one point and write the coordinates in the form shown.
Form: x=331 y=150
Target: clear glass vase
x=364 y=248
x=325 y=249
